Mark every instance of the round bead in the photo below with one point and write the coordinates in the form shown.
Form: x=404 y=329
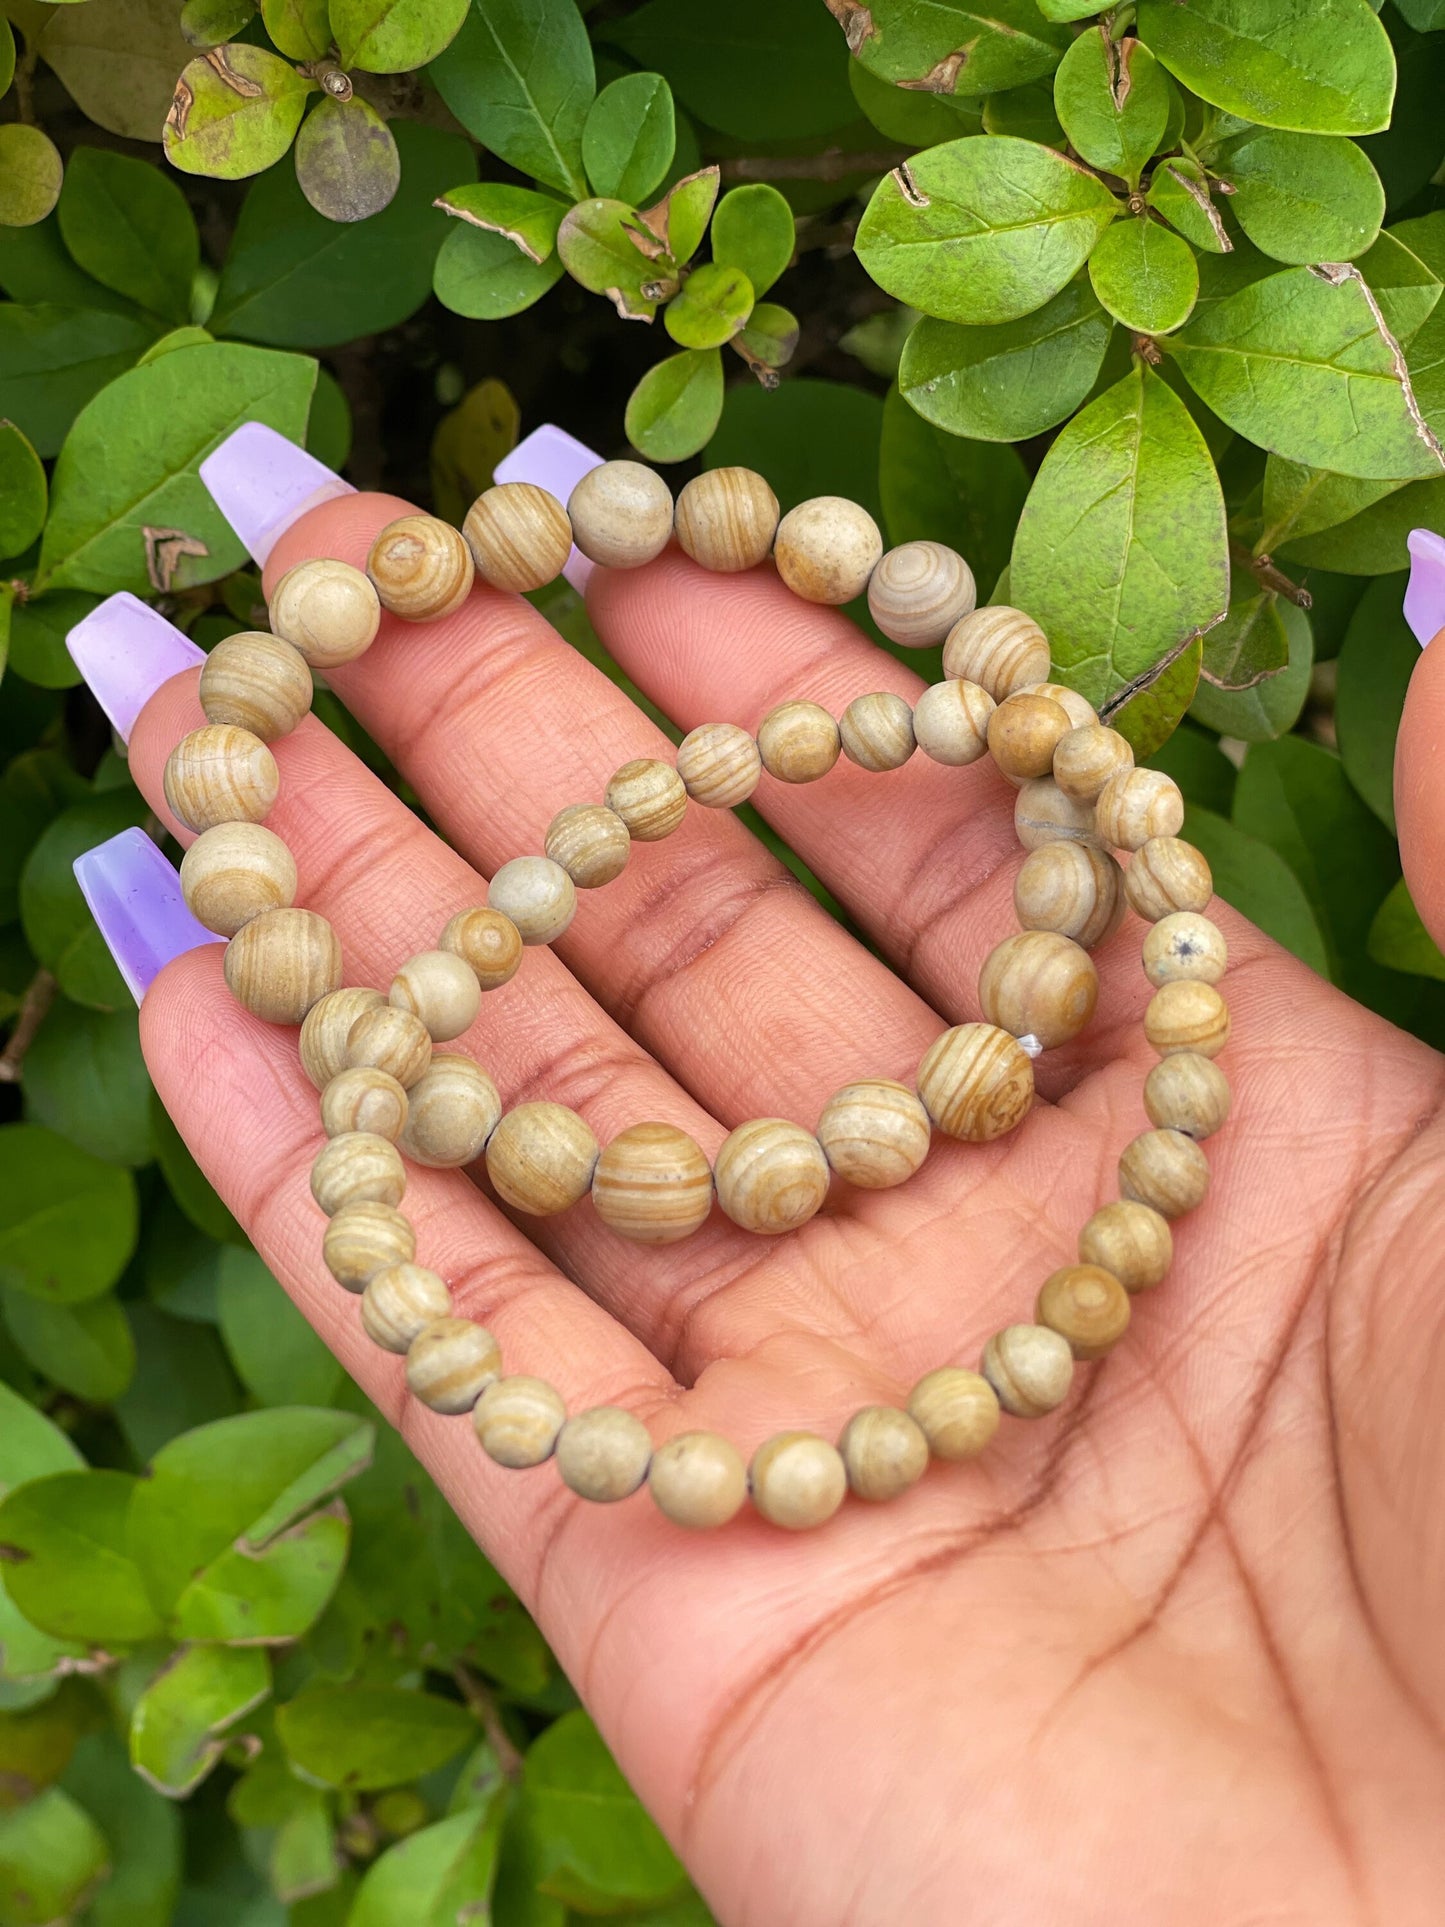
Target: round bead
x=1043 y=814
x=390 y=1040
x=1039 y=983
x=884 y=1452
x=1129 y=1240
x=487 y=940
x=420 y=568
x=327 y=610
x=1168 y=874
x=1001 y=649
x=220 y=774
x=540 y=1158
x=440 y=988
x=1185 y=947
x=1085 y=1305
x=950 y=722
x=1188 y=1093
x=874 y=1133
x=919 y=591
x=327 y=1027
x=1030 y=1368
x=1022 y=734
x=1088 y=757
x=956 y=1410
x=1072 y=889
x=452 y=1110
x=797 y=1480
x=518 y=1419
x=603 y=1455
x=621 y=514
x=1069 y=700
x=719 y=765
x=771 y=1176
x=537 y=894
x=649 y=797
x=256 y=682
x=1137 y=804
x=363 y=1099
x=450 y=1363
x=364 y=1238
x=877 y=731
x=1187 y=1016
x=358 y=1168
x=698 y=1480
x=519 y=536
x=400 y=1302
x=591 y=842
x=726 y=519
x=798 y=742
x=1165 y=1170
x=977 y=1082
x=234 y=872
x=826 y=549
x=652 y=1184
x=281 y=962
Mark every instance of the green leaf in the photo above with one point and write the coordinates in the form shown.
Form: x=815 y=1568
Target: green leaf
x=85 y=1349
x=179 y=1725
x=69 y=1567
x=1371 y=542
x=52 y=1855
x=1300 y=501
x=1407 y=154
x=1376 y=662
x=485 y=277
x=1145 y=276
x=127 y=223
x=528 y=220
x=912 y=119
x=752 y=231
x=33 y=791
x=1121 y=553
x=328 y=426
x=768 y=342
x=1147 y=719
x=304 y=1860
x=277 y=1356
x=1400 y=941
x=432 y=1878
x=1064 y=10
x=31 y=1446
x=67 y=1221
x=1113 y=100
x=22 y=491
x=1259 y=884
x=7 y=55
x=364 y=1737
x=143 y=1832
x=300 y=29
x=519 y=77
x=394 y=36
x=117 y=59
x=29 y=1658
x=1180 y=192
x=235 y=112
x=1257 y=689
x=713 y=306
x=982 y=230
x=674 y=409
x=599 y=1848
x=30 y=175
x=188 y=1184
x=938 y=488
x=1026 y=113
x=810 y=438
x=35 y=266
x=679 y=220
x=1323 y=69
x=628 y=137
x=604 y=246
x=85 y=1078
x=54 y=359
x=347 y=162
x=187 y=1381
x=1303 y=197
x=952 y=48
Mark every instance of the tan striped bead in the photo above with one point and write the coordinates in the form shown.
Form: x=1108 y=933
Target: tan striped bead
x=256 y=682
x=357 y=1168
x=1185 y=947
x=452 y=1110
x=1022 y=734
x=400 y=1302
x=327 y=610
x=420 y=568
x=1087 y=758
x=441 y=989
x=591 y=842
x=1186 y=1092
x=1072 y=889
x=517 y=1420
x=698 y=1480
x=234 y=872
x=1136 y=805
x=719 y=765
x=537 y=895
x=1079 y=711
x=649 y=797
x=884 y=1451
x=327 y=1027
x=977 y=1082
x=450 y=1363
x=1041 y=984
x=652 y=1184
x=999 y=648
x=603 y=1455
x=1086 y=1305
x=797 y=1480
x=877 y=731
x=957 y=1411
x=281 y=963
x=1030 y=1368
x=364 y=1238
x=874 y=1133
x=540 y=1158
x=919 y=591
x=1131 y=1241
x=390 y=1040
x=1165 y=1170
x=1187 y=1016
x=489 y=942
x=363 y=1099
x=621 y=514
x=220 y=774
x=1168 y=874
x=950 y=722
x=1043 y=814
x=771 y=1176
x=519 y=536
x=726 y=519
x=798 y=742
x=826 y=549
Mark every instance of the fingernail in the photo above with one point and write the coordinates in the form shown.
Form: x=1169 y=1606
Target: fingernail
x=135 y=897
x=556 y=461
x=125 y=650
x=1425 y=593
x=262 y=483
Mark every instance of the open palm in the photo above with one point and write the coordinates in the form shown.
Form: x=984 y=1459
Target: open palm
x=1169 y=1656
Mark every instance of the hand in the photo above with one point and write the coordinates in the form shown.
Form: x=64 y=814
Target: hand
x=1171 y=1656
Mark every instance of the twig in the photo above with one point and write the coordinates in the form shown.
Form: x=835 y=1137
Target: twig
x=482 y=1705
x=1263 y=567
x=25 y=83
x=39 y=996
x=833 y=164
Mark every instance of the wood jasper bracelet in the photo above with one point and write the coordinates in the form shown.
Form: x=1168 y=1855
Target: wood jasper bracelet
x=388 y=1090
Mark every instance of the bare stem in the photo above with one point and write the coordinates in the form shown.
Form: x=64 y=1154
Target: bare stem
x=39 y=996
x=833 y=164
x=1270 y=577
x=482 y=1705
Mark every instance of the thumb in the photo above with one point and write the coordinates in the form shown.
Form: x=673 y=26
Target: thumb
x=1420 y=746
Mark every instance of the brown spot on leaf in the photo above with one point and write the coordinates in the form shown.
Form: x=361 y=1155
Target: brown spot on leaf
x=14 y=1555
x=940 y=79
x=855 y=20
x=1337 y=273
x=219 y=60
x=179 y=111
x=165 y=549
x=621 y=299
x=514 y=235
x=1200 y=195
x=908 y=187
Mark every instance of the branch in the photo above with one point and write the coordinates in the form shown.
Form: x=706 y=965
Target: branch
x=482 y=1705
x=1269 y=577
x=39 y=996
x=833 y=164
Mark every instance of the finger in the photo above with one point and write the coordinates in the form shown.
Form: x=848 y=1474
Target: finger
x=1419 y=763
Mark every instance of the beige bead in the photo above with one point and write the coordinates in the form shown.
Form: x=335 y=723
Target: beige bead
x=726 y=519
x=1168 y=874
x=652 y=1184
x=400 y=1302
x=1129 y=1240
x=1187 y=1093
x=363 y=1099
x=1187 y=1016
x=358 y=1168
x=977 y=1081
x=1039 y=984
x=1078 y=711
x=797 y=1480
x=390 y=1040
x=621 y=514
x=826 y=549
x=220 y=774
x=234 y=872
x=441 y=989
x=957 y=1411
x=649 y=797
x=256 y=682
x=487 y=940
x=798 y=742
x=519 y=536
x=420 y=568
x=1087 y=757
x=1165 y=1170
x=1072 y=889
x=327 y=1027
x=884 y=1452
x=1043 y=814
x=771 y=1176
x=450 y=1363
x=1137 y=804
x=874 y=1133
x=452 y=1110
x=537 y=894
x=591 y=842
x=603 y=1455
x=327 y=610
x=364 y=1238
x=877 y=731
x=281 y=962
x=1022 y=734
x=1185 y=946
x=1086 y=1305
x=1030 y=1368
x=1001 y=649
x=698 y=1480
x=950 y=722
x=540 y=1158
x=518 y=1419
x=919 y=591
x=719 y=765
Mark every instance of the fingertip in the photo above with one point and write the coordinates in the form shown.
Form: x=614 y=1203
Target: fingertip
x=1420 y=787
x=343 y=529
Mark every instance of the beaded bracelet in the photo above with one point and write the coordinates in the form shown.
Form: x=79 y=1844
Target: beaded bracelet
x=384 y=1086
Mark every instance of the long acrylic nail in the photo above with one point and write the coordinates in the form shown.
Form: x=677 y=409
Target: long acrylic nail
x=135 y=897
x=262 y=483
x=125 y=650
x=1425 y=593
x=556 y=461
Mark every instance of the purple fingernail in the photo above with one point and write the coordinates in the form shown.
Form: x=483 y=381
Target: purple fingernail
x=262 y=483
x=1425 y=593
x=135 y=897
x=125 y=650
x=556 y=461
